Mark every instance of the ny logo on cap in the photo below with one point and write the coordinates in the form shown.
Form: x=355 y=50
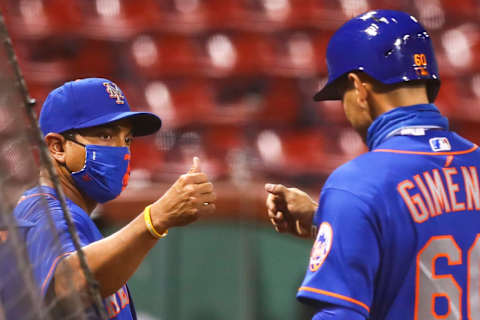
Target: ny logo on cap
x=114 y=92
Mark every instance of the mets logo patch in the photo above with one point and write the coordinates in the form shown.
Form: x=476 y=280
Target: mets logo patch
x=114 y=92
x=321 y=247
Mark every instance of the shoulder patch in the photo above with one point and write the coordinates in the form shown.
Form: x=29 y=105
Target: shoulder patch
x=321 y=247
x=440 y=144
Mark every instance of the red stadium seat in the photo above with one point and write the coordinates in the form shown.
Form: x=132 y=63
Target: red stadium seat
x=180 y=102
x=219 y=139
x=237 y=100
x=467 y=129
x=118 y=19
x=297 y=145
x=146 y=155
x=457 y=49
x=299 y=54
x=265 y=102
x=96 y=58
x=54 y=60
x=297 y=152
x=163 y=55
x=238 y=54
x=40 y=18
x=461 y=10
x=47 y=60
x=271 y=15
x=280 y=105
x=448 y=98
x=330 y=14
x=183 y=16
x=223 y=14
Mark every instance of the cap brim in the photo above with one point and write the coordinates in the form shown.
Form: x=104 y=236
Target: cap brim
x=144 y=123
x=329 y=92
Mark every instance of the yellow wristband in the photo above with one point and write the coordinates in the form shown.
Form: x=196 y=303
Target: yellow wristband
x=149 y=224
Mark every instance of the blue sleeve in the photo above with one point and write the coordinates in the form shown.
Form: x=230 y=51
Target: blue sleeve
x=46 y=248
x=338 y=313
x=346 y=253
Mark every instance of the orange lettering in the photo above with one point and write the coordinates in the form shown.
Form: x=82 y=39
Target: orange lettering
x=471 y=187
x=411 y=201
x=452 y=189
x=425 y=193
x=437 y=190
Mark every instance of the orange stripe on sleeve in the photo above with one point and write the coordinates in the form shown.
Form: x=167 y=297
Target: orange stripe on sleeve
x=52 y=268
x=336 y=295
x=453 y=153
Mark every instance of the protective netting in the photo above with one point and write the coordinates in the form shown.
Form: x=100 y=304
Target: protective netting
x=21 y=294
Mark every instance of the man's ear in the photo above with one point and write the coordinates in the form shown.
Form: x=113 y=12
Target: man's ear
x=56 y=146
x=361 y=89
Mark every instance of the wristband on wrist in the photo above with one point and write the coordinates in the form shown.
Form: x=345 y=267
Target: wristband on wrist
x=149 y=224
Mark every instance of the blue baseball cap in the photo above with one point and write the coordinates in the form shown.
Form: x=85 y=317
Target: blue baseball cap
x=91 y=102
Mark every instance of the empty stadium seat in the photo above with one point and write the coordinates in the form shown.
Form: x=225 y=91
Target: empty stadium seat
x=56 y=59
x=242 y=54
x=272 y=15
x=179 y=102
x=461 y=10
x=118 y=19
x=40 y=18
x=183 y=16
x=299 y=54
x=280 y=103
x=46 y=60
x=163 y=55
x=284 y=152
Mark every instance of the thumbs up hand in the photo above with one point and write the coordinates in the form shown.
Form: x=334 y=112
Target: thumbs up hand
x=188 y=199
x=196 y=165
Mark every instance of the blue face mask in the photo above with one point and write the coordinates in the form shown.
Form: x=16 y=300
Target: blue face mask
x=105 y=173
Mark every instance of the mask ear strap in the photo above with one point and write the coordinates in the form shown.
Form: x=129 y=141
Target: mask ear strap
x=69 y=137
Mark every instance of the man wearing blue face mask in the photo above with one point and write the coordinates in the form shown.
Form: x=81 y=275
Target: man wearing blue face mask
x=88 y=128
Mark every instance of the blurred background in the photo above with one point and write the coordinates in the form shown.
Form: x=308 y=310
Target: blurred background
x=233 y=81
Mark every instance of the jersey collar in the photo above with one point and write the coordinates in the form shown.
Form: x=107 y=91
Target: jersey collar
x=394 y=122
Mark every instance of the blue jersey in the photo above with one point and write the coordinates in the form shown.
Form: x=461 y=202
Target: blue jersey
x=15 y=299
x=46 y=249
x=399 y=231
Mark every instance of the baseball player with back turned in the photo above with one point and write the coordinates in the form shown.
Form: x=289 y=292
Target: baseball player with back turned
x=398 y=228
x=88 y=128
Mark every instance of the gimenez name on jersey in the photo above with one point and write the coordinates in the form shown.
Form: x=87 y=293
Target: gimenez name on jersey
x=438 y=191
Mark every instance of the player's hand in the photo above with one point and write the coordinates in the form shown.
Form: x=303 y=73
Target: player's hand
x=290 y=210
x=189 y=198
